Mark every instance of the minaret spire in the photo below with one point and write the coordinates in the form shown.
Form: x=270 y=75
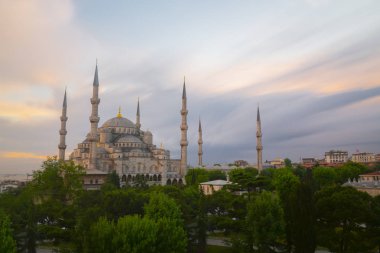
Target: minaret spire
x=138 y=124
x=259 y=146
x=62 y=131
x=200 y=142
x=94 y=119
x=184 y=128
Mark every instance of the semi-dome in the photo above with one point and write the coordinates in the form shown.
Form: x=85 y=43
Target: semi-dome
x=128 y=139
x=119 y=122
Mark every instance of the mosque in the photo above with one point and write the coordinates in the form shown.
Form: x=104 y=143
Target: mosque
x=122 y=146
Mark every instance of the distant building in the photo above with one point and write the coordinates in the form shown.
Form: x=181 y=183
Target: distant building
x=241 y=163
x=363 y=157
x=309 y=162
x=336 y=156
x=370 y=177
x=210 y=187
x=277 y=163
x=369 y=183
x=94 y=179
x=377 y=158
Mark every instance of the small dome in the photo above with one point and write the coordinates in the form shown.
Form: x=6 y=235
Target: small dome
x=118 y=122
x=128 y=139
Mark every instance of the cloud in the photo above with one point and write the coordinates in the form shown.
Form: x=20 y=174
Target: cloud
x=21 y=155
x=317 y=80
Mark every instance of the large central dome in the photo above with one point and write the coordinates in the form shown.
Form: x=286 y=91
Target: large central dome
x=119 y=122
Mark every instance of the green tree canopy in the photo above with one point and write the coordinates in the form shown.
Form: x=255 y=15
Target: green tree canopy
x=324 y=176
x=265 y=222
x=7 y=243
x=161 y=206
x=342 y=214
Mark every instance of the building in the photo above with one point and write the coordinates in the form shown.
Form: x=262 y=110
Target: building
x=122 y=145
x=210 y=187
x=241 y=163
x=277 y=163
x=370 y=177
x=336 y=156
x=309 y=162
x=363 y=157
x=369 y=183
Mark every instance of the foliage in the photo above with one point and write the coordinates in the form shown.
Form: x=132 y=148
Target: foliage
x=265 y=222
x=315 y=210
x=196 y=176
x=118 y=203
x=288 y=163
x=112 y=181
x=350 y=171
x=342 y=214
x=324 y=177
x=161 y=206
x=100 y=237
x=286 y=184
x=135 y=234
x=200 y=175
x=304 y=234
x=245 y=179
x=7 y=243
x=216 y=174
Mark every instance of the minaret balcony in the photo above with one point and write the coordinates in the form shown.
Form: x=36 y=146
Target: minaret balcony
x=95 y=101
x=94 y=119
x=64 y=118
x=62 y=146
x=62 y=132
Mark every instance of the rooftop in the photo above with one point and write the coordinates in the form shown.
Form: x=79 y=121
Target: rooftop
x=216 y=182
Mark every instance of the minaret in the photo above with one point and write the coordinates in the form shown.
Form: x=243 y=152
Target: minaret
x=184 y=128
x=138 y=125
x=94 y=119
x=63 y=132
x=259 y=146
x=200 y=142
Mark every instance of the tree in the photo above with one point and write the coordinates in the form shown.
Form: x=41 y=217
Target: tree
x=133 y=234
x=120 y=202
x=171 y=236
x=304 y=234
x=324 y=177
x=350 y=171
x=196 y=176
x=100 y=237
x=288 y=163
x=244 y=178
x=112 y=181
x=286 y=184
x=343 y=214
x=161 y=206
x=7 y=243
x=265 y=223
x=374 y=224
x=216 y=174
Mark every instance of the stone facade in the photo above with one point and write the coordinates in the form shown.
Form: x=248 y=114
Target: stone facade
x=336 y=156
x=369 y=183
x=363 y=157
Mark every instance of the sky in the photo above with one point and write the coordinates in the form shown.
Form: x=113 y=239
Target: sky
x=313 y=67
